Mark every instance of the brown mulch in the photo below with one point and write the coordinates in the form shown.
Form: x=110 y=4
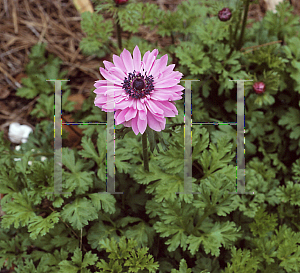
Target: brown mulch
x=24 y=23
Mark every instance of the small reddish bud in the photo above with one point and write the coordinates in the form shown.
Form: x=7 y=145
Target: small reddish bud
x=259 y=87
x=120 y=2
x=224 y=14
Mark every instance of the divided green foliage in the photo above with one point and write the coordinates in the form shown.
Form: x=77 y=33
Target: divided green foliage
x=39 y=70
x=183 y=268
x=218 y=157
x=98 y=32
x=78 y=263
x=156 y=225
x=13 y=246
x=77 y=179
x=292 y=51
x=284 y=24
x=79 y=212
x=278 y=251
x=263 y=224
x=90 y=152
x=124 y=256
x=19 y=211
x=261 y=182
x=137 y=14
x=242 y=261
x=289 y=193
x=291 y=120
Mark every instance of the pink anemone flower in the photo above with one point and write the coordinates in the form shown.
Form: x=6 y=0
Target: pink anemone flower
x=144 y=90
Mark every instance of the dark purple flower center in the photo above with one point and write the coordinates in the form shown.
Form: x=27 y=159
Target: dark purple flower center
x=138 y=86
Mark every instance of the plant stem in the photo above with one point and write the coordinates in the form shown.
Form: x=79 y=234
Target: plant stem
x=207 y=212
x=145 y=151
x=230 y=36
x=239 y=44
x=237 y=27
x=256 y=47
x=173 y=38
x=234 y=41
x=38 y=154
x=119 y=33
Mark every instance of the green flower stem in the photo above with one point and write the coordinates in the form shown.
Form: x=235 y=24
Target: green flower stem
x=239 y=44
x=119 y=34
x=34 y=155
x=119 y=30
x=207 y=212
x=237 y=27
x=145 y=152
x=230 y=36
x=233 y=40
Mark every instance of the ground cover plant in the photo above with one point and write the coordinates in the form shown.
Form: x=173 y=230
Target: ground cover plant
x=150 y=228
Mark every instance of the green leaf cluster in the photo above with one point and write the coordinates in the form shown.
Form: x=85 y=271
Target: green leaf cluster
x=98 y=31
x=41 y=72
x=124 y=256
x=157 y=225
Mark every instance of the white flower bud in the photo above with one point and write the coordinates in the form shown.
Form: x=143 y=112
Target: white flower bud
x=18 y=133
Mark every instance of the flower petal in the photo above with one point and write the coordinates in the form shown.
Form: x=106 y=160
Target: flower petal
x=175 y=88
x=130 y=114
x=134 y=125
x=166 y=83
x=104 y=89
x=150 y=60
x=120 y=116
x=123 y=103
x=160 y=96
x=119 y=63
x=136 y=59
x=154 y=123
x=145 y=57
x=167 y=70
x=170 y=93
x=140 y=105
x=127 y=123
x=108 y=65
x=134 y=103
x=127 y=60
x=158 y=117
x=141 y=124
x=110 y=77
x=174 y=75
x=159 y=65
x=153 y=107
x=118 y=72
x=117 y=113
x=100 y=100
x=168 y=107
x=143 y=114
x=100 y=83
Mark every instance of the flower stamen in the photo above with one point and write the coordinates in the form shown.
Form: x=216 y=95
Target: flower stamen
x=138 y=86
